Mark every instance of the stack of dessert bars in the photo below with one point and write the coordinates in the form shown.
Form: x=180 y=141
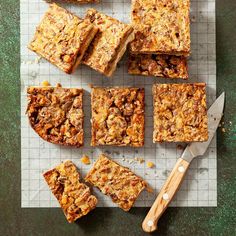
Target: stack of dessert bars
x=162 y=38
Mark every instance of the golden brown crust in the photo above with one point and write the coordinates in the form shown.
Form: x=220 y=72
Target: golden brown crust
x=117 y=116
x=161 y=26
x=56 y=114
x=116 y=181
x=167 y=66
x=74 y=197
x=62 y=38
x=109 y=44
x=180 y=112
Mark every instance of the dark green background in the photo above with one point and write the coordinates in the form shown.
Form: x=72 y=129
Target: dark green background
x=106 y=221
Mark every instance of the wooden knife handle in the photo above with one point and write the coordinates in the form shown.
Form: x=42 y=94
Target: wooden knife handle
x=165 y=196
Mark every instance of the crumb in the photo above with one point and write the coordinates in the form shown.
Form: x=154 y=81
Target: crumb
x=193 y=19
x=45 y=83
x=141 y=160
x=149 y=189
x=223 y=130
x=90 y=85
x=37 y=60
x=180 y=147
x=150 y=164
x=85 y=160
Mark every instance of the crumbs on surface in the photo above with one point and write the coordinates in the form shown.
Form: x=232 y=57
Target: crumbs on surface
x=45 y=83
x=135 y=160
x=150 y=164
x=85 y=160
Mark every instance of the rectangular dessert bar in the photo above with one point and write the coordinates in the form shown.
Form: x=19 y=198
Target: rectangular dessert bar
x=161 y=27
x=180 y=112
x=116 y=181
x=167 y=66
x=62 y=38
x=74 y=197
x=56 y=114
x=117 y=116
x=109 y=44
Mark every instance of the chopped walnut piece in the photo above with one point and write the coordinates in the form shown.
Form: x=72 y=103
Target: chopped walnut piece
x=74 y=197
x=116 y=181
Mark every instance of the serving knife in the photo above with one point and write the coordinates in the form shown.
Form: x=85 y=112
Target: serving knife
x=176 y=177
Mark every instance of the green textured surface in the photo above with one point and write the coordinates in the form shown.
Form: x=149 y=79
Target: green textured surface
x=106 y=221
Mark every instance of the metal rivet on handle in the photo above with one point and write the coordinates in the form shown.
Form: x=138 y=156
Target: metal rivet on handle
x=165 y=196
x=181 y=169
x=150 y=223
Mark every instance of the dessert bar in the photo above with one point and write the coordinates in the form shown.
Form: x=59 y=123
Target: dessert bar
x=62 y=38
x=167 y=66
x=74 y=197
x=180 y=112
x=116 y=181
x=117 y=116
x=56 y=114
x=109 y=44
x=161 y=27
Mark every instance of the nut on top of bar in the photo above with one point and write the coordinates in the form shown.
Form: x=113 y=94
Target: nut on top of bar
x=109 y=44
x=116 y=181
x=56 y=114
x=161 y=27
x=117 y=116
x=180 y=112
x=62 y=38
x=159 y=65
x=74 y=197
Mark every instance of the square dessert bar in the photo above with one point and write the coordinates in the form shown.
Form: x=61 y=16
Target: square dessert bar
x=74 y=197
x=118 y=116
x=109 y=44
x=161 y=27
x=56 y=114
x=62 y=38
x=116 y=181
x=167 y=66
x=180 y=112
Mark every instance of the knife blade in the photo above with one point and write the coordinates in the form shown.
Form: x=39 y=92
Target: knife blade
x=214 y=114
x=173 y=182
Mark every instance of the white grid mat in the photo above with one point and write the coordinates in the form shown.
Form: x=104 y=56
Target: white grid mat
x=37 y=156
